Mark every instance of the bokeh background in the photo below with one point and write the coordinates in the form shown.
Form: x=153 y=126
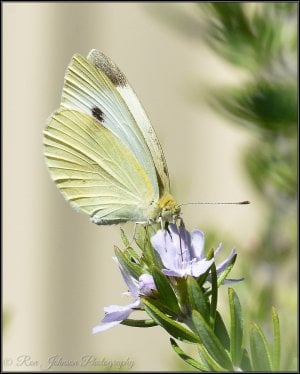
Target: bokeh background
x=58 y=271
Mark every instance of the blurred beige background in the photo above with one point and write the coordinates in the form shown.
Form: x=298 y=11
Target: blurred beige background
x=58 y=271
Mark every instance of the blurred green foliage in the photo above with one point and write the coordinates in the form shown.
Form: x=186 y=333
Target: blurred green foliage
x=6 y=319
x=251 y=35
x=263 y=105
x=261 y=39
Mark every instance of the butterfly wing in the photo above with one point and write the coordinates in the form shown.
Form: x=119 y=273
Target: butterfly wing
x=96 y=172
x=111 y=70
x=89 y=90
x=97 y=87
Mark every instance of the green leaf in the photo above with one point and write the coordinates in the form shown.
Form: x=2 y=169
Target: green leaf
x=236 y=327
x=175 y=329
x=124 y=238
x=203 y=278
x=162 y=307
x=276 y=346
x=221 y=331
x=165 y=291
x=196 y=297
x=143 y=234
x=139 y=322
x=186 y=358
x=260 y=351
x=150 y=256
x=209 y=360
x=142 y=237
x=222 y=276
x=127 y=263
x=203 y=358
x=209 y=340
x=131 y=254
x=214 y=294
x=245 y=364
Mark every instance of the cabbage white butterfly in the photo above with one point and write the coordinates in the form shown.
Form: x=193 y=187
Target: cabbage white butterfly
x=101 y=149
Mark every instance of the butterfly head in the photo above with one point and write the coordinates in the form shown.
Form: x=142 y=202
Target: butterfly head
x=168 y=207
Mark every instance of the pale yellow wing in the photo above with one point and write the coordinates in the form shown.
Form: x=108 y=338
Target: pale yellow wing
x=94 y=171
x=89 y=90
x=119 y=80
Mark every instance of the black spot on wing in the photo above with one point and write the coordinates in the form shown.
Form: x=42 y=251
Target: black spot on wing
x=98 y=114
x=108 y=67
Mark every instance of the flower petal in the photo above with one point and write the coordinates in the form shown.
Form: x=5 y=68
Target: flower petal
x=216 y=252
x=185 y=245
x=112 y=319
x=228 y=281
x=115 y=314
x=198 y=241
x=146 y=284
x=223 y=265
x=172 y=246
x=105 y=326
x=200 y=267
x=164 y=244
x=132 y=283
x=173 y=273
x=111 y=309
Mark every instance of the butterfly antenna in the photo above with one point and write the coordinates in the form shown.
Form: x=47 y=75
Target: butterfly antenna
x=218 y=203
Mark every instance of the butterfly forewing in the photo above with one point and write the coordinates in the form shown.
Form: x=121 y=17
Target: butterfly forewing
x=119 y=80
x=89 y=90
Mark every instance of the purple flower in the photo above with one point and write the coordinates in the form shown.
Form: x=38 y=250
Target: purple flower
x=182 y=253
x=115 y=314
